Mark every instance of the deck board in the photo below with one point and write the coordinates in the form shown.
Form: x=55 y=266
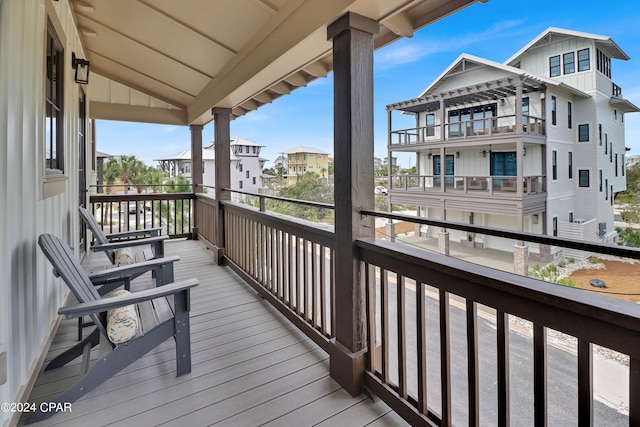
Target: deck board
x=250 y=366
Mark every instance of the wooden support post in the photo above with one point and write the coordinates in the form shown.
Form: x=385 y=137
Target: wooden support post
x=352 y=37
x=196 y=172
x=222 y=138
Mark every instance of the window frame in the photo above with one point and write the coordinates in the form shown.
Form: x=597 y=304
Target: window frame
x=54 y=129
x=581 y=134
x=581 y=176
x=555 y=70
x=554 y=110
x=584 y=64
x=570 y=159
x=569 y=67
x=554 y=222
x=554 y=165
x=569 y=115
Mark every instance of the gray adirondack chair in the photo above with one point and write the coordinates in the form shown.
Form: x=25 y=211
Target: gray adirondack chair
x=158 y=321
x=108 y=243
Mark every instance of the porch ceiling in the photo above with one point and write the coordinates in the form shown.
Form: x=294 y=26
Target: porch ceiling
x=165 y=61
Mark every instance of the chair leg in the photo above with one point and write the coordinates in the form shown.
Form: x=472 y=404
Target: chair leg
x=62 y=359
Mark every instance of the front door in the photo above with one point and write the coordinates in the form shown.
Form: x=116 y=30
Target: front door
x=449 y=169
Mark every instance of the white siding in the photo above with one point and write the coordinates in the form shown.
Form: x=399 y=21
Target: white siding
x=29 y=294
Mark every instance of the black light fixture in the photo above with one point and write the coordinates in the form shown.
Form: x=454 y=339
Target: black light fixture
x=82 y=69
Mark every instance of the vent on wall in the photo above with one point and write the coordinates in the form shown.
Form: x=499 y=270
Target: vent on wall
x=579 y=221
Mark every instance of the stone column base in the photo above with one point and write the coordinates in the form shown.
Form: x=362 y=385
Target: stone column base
x=443 y=243
x=521 y=260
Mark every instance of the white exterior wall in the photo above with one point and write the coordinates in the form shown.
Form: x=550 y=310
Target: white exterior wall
x=29 y=294
x=250 y=162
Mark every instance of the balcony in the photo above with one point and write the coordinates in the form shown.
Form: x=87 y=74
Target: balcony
x=494 y=129
x=436 y=356
x=504 y=186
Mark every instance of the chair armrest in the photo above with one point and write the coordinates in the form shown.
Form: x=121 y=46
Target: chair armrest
x=152 y=232
x=131 y=269
x=128 y=243
x=105 y=304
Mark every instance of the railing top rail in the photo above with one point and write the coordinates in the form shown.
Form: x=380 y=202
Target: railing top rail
x=622 y=251
x=283 y=199
x=573 y=311
x=93 y=198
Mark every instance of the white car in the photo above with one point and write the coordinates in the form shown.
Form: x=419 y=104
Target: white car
x=380 y=190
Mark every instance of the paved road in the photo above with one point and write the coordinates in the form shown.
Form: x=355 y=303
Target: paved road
x=561 y=372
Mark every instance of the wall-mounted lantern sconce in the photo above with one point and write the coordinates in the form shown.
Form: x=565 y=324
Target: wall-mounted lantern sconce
x=82 y=69
x=535 y=218
x=429 y=155
x=457 y=154
x=484 y=153
x=524 y=151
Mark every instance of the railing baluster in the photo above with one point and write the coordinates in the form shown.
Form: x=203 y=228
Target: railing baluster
x=384 y=303
x=634 y=391
x=421 y=343
x=305 y=280
x=445 y=359
x=402 y=336
x=370 y=300
x=502 y=320
x=585 y=383
x=323 y=290
x=280 y=264
x=540 y=375
x=472 y=362
x=332 y=297
x=298 y=275
x=314 y=285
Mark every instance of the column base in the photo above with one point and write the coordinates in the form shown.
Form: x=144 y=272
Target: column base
x=521 y=260
x=347 y=368
x=443 y=243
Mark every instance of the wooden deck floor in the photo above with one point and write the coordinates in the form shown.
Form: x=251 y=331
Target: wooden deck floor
x=250 y=367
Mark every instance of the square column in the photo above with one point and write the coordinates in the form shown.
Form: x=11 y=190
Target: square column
x=222 y=139
x=196 y=172
x=352 y=37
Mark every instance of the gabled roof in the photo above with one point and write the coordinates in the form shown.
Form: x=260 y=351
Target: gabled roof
x=236 y=140
x=604 y=43
x=304 y=149
x=431 y=97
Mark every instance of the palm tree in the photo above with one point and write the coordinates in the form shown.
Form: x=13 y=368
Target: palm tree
x=126 y=168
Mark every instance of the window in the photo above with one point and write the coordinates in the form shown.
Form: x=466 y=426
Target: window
x=503 y=164
x=553 y=111
x=615 y=114
x=616 y=167
x=240 y=185
x=304 y=157
x=600 y=180
x=569 y=115
x=240 y=167
x=583 y=178
x=606 y=189
x=611 y=195
x=554 y=66
x=600 y=134
x=247 y=150
x=461 y=120
x=254 y=149
x=430 y=123
x=611 y=152
x=570 y=165
x=606 y=143
x=554 y=165
x=555 y=226
x=583 y=60
x=53 y=104
x=570 y=216
x=247 y=174
x=525 y=111
x=254 y=180
x=604 y=64
x=569 y=61
x=583 y=133
x=622 y=161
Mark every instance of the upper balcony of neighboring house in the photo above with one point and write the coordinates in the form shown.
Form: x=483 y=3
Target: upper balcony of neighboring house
x=473 y=115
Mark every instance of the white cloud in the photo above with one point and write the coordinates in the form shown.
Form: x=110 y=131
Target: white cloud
x=408 y=51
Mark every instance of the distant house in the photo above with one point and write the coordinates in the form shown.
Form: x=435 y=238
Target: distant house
x=631 y=160
x=100 y=160
x=302 y=159
x=246 y=165
x=535 y=144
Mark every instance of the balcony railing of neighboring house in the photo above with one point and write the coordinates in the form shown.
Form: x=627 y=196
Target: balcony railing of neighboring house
x=468 y=184
x=477 y=128
x=616 y=90
x=173 y=212
x=290 y=262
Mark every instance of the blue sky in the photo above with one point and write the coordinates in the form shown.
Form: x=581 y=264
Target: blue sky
x=495 y=30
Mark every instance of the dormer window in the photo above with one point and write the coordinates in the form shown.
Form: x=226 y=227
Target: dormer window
x=554 y=66
x=584 y=63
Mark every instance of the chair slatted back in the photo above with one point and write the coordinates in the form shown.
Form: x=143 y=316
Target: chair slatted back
x=69 y=269
x=97 y=231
